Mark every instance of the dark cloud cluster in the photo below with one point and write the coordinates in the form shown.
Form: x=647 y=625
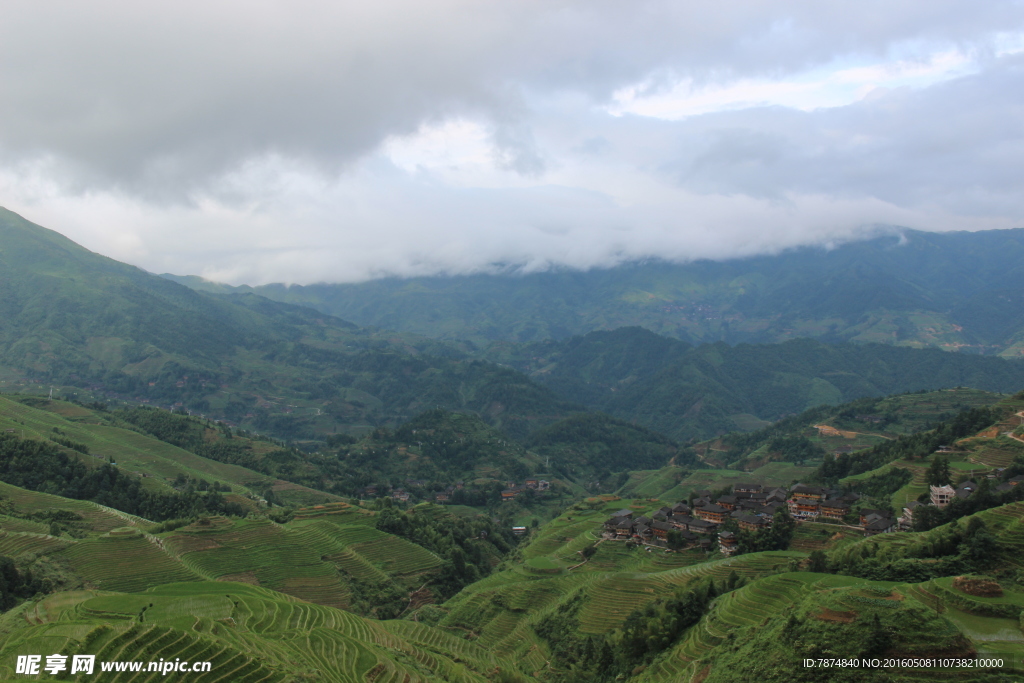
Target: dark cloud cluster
x=324 y=140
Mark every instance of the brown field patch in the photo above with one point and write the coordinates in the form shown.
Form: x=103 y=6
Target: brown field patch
x=187 y=543
x=241 y=577
x=840 y=617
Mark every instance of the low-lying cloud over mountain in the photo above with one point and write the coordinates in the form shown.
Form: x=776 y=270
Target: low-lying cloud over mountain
x=261 y=142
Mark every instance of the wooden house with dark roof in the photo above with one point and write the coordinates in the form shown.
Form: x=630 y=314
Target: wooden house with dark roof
x=866 y=513
x=680 y=521
x=701 y=526
x=834 y=508
x=712 y=513
x=660 y=529
x=808 y=492
x=965 y=489
x=804 y=508
x=752 y=522
x=747 y=488
x=728 y=502
x=878 y=524
x=612 y=523
x=727 y=543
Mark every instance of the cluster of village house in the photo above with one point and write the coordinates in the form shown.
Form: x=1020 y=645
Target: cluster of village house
x=753 y=507
x=512 y=489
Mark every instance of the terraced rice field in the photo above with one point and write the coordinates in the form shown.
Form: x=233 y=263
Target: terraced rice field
x=1007 y=522
x=258 y=552
x=995 y=452
x=812 y=536
x=335 y=513
x=95 y=517
x=17 y=524
x=249 y=635
x=396 y=555
x=563 y=537
x=612 y=599
x=125 y=562
x=13 y=544
x=751 y=605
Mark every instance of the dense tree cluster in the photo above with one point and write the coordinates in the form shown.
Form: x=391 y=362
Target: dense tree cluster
x=775 y=537
x=469 y=546
x=599 y=442
x=953 y=549
x=647 y=632
x=883 y=485
x=15 y=584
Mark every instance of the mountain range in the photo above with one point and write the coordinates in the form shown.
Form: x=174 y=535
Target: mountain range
x=99 y=329
x=358 y=504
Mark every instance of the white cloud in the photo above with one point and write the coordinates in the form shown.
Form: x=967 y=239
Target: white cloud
x=322 y=141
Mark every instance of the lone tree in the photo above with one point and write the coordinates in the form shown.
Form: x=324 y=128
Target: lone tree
x=938 y=472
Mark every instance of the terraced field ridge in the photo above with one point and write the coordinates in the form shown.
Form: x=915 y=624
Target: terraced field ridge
x=248 y=634
x=157 y=463
x=314 y=557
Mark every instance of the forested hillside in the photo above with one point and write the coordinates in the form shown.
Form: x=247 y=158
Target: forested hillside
x=696 y=392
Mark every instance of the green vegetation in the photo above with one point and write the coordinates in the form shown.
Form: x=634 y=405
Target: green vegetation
x=603 y=445
x=685 y=392
x=470 y=546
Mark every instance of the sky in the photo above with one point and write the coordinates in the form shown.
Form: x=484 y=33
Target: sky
x=313 y=141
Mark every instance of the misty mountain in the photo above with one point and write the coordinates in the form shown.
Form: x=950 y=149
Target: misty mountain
x=912 y=288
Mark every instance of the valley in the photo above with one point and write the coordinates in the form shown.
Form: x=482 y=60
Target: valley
x=210 y=475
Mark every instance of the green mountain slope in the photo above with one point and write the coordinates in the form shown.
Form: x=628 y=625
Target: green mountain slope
x=914 y=288
x=847 y=428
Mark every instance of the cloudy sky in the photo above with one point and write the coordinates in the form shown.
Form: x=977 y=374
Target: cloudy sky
x=307 y=141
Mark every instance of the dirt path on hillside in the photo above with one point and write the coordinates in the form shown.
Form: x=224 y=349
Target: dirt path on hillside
x=843 y=433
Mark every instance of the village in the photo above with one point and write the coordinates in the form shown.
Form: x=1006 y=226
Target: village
x=753 y=507
x=511 y=491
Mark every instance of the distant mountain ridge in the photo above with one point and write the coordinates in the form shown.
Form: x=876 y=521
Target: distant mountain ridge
x=954 y=290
